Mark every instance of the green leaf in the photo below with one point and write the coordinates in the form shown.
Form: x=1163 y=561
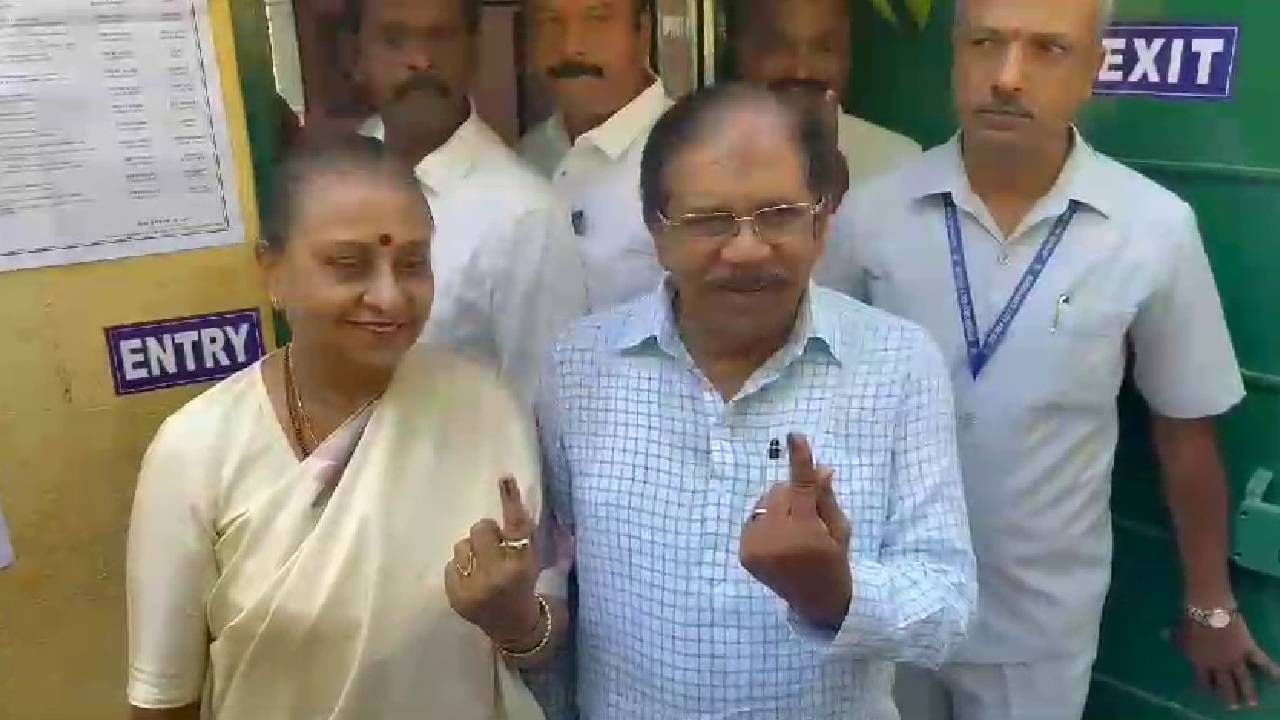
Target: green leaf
x=886 y=11
x=920 y=11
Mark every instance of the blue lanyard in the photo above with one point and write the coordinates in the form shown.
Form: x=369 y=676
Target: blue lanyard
x=982 y=350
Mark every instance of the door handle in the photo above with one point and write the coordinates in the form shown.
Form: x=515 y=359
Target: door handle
x=1257 y=531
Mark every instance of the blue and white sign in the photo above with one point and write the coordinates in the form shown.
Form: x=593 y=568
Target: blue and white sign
x=184 y=351
x=1169 y=61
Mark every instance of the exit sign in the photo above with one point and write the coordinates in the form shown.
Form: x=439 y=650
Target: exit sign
x=1169 y=61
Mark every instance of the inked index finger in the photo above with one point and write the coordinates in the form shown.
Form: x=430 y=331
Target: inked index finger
x=804 y=476
x=516 y=521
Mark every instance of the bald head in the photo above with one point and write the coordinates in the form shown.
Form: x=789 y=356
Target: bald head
x=1106 y=14
x=1023 y=71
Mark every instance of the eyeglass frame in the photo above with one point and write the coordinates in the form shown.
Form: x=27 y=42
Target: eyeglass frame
x=815 y=209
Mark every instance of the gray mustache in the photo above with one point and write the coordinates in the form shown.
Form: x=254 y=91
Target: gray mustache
x=748 y=283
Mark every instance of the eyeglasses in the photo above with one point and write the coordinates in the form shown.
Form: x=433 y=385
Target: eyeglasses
x=771 y=224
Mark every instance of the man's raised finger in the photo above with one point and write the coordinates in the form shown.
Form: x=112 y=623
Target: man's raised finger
x=803 y=485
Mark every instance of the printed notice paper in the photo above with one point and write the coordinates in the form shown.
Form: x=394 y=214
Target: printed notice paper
x=113 y=132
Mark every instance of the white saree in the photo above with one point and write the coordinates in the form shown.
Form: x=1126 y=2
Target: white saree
x=270 y=589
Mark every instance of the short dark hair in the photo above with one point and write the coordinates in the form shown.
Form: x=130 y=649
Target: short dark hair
x=643 y=8
x=353 y=15
x=315 y=157
x=741 y=14
x=696 y=115
x=739 y=17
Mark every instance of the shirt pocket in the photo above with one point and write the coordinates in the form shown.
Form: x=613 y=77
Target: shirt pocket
x=863 y=465
x=1084 y=354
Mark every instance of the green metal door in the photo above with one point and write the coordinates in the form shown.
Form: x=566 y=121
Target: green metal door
x=1222 y=156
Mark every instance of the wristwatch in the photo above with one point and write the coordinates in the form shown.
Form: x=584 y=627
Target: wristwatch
x=1218 y=618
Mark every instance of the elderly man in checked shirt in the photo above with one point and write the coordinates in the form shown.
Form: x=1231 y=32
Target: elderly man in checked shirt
x=760 y=476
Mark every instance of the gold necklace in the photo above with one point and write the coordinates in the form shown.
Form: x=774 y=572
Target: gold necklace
x=298 y=418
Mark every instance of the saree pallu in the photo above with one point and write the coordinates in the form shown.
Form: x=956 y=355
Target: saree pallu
x=330 y=601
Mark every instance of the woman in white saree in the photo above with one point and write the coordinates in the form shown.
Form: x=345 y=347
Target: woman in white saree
x=294 y=527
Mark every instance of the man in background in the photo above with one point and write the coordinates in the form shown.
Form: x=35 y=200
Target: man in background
x=508 y=276
x=593 y=57
x=1040 y=266
x=803 y=47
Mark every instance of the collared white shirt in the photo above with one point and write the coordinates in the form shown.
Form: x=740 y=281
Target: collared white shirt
x=508 y=277
x=870 y=150
x=1038 y=428
x=598 y=177
x=655 y=474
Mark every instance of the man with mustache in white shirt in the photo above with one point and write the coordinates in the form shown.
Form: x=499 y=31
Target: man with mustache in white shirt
x=508 y=276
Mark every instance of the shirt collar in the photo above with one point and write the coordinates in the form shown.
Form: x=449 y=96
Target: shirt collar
x=1082 y=179
x=651 y=322
x=623 y=128
x=450 y=163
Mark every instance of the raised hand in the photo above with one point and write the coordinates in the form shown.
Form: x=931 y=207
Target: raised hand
x=797 y=541
x=490 y=581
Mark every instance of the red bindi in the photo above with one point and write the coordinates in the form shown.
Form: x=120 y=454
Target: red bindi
x=384 y=240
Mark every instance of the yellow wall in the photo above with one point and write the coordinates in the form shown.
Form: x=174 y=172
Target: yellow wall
x=69 y=449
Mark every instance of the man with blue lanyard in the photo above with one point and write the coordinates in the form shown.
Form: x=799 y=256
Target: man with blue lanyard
x=1037 y=264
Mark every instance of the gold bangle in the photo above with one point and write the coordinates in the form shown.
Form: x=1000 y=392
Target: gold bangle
x=544 y=615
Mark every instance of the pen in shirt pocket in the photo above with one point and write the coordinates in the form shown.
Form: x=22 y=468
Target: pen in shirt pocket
x=1064 y=302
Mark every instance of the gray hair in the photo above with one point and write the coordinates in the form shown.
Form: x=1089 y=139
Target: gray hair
x=1106 y=15
x=699 y=114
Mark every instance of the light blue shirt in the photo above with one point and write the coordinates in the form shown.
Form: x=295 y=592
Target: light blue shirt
x=654 y=474
x=1038 y=427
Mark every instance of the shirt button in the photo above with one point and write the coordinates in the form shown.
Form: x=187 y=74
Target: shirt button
x=1003 y=259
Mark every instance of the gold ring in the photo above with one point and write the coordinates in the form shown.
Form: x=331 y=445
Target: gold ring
x=470 y=568
x=521 y=544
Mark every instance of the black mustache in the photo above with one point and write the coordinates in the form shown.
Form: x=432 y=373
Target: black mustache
x=429 y=83
x=572 y=70
x=749 y=282
x=812 y=87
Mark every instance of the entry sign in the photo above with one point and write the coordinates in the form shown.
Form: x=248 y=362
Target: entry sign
x=183 y=351
x=1169 y=61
